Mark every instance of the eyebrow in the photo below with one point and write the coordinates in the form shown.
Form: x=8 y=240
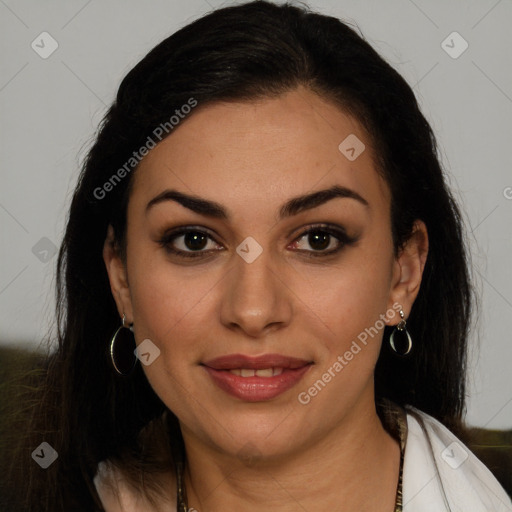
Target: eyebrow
x=292 y=207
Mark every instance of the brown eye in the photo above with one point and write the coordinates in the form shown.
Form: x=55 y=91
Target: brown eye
x=322 y=240
x=319 y=240
x=189 y=243
x=195 y=241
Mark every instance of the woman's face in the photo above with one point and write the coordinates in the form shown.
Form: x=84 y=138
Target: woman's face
x=268 y=335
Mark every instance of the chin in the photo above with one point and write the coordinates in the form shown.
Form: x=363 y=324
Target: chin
x=258 y=437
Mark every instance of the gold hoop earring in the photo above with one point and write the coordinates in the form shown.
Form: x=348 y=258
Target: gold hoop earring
x=402 y=332
x=122 y=362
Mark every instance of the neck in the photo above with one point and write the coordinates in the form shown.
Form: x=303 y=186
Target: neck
x=354 y=467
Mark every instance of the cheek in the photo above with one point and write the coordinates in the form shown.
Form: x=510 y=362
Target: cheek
x=353 y=296
x=343 y=375
x=163 y=294
x=352 y=304
x=171 y=306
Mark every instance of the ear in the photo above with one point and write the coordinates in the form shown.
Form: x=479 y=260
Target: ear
x=117 y=276
x=408 y=271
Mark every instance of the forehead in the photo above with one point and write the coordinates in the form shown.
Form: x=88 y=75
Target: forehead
x=265 y=150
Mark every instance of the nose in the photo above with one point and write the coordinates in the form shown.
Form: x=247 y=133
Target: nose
x=256 y=300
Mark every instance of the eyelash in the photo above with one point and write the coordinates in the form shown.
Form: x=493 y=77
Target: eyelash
x=337 y=233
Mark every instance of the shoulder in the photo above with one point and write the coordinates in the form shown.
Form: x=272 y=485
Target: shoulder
x=441 y=473
x=118 y=495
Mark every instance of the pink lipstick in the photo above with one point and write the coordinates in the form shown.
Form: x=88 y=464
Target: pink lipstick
x=256 y=379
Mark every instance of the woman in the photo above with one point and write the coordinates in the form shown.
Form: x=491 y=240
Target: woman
x=264 y=295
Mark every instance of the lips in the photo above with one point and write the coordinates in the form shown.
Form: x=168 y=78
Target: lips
x=256 y=379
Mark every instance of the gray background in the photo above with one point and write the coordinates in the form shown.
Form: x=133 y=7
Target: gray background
x=50 y=109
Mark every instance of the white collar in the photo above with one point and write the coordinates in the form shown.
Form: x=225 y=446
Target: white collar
x=441 y=474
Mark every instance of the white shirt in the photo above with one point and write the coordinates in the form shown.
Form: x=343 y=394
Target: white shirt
x=441 y=475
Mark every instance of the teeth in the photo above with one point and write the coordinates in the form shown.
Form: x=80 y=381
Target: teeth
x=265 y=372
